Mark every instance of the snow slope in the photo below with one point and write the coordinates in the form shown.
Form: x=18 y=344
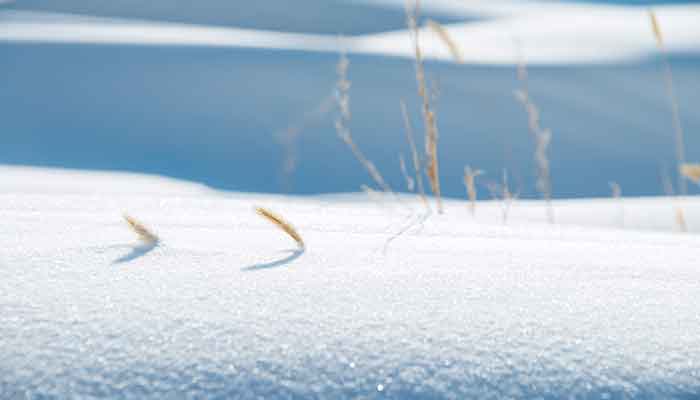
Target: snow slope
x=225 y=307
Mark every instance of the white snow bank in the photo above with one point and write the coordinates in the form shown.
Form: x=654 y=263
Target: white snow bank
x=547 y=33
x=224 y=307
x=553 y=34
x=29 y=26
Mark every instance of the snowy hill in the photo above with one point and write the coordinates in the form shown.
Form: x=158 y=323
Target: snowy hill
x=225 y=307
x=216 y=98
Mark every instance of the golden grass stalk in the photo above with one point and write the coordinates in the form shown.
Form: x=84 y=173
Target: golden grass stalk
x=144 y=234
x=431 y=131
x=677 y=210
x=670 y=93
x=414 y=154
x=445 y=37
x=282 y=224
x=542 y=138
x=342 y=123
x=691 y=171
x=469 y=181
x=656 y=28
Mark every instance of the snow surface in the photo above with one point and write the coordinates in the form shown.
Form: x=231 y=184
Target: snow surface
x=545 y=32
x=225 y=306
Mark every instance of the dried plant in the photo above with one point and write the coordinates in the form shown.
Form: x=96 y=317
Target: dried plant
x=469 y=178
x=410 y=182
x=414 y=154
x=343 y=121
x=670 y=93
x=282 y=224
x=502 y=193
x=542 y=138
x=677 y=210
x=145 y=235
x=431 y=131
x=445 y=37
x=691 y=171
x=289 y=137
x=617 y=195
x=616 y=190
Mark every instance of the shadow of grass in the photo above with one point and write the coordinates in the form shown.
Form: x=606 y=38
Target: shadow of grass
x=277 y=263
x=136 y=252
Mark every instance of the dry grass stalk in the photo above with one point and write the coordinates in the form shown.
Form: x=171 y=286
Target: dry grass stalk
x=677 y=210
x=410 y=182
x=343 y=121
x=469 y=181
x=670 y=93
x=144 y=234
x=414 y=154
x=502 y=193
x=431 y=131
x=445 y=37
x=616 y=190
x=691 y=171
x=542 y=138
x=280 y=222
x=617 y=195
x=290 y=136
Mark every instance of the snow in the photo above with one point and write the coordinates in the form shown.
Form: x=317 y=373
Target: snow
x=225 y=307
x=546 y=33
x=555 y=33
x=602 y=304
x=24 y=26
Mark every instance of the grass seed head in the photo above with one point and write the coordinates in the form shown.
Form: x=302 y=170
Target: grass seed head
x=144 y=234
x=691 y=171
x=281 y=223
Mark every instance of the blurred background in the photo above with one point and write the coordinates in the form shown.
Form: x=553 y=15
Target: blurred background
x=240 y=95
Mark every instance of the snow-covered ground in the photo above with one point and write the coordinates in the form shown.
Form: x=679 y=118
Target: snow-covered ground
x=384 y=301
x=226 y=306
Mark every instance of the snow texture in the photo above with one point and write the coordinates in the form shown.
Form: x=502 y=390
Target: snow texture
x=226 y=307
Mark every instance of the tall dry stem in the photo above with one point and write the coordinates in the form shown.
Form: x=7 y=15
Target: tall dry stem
x=673 y=101
x=542 y=138
x=469 y=181
x=678 y=213
x=502 y=193
x=289 y=137
x=414 y=154
x=431 y=131
x=410 y=182
x=342 y=123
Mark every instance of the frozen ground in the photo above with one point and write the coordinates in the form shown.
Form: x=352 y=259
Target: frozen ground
x=225 y=307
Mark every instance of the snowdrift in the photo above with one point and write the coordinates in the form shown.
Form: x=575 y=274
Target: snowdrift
x=226 y=307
